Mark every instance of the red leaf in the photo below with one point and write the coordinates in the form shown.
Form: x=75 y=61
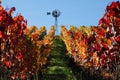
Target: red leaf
x=112 y=56
x=102 y=20
x=1 y=35
x=117 y=20
x=101 y=32
x=1 y=8
x=11 y=10
x=21 y=18
x=77 y=35
x=7 y=63
x=103 y=56
x=1 y=17
x=23 y=77
x=19 y=55
x=118 y=39
x=68 y=32
x=114 y=4
x=112 y=13
x=105 y=45
x=108 y=8
x=102 y=62
x=97 y=47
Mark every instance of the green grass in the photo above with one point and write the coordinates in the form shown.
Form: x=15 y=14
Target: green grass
x=57 y=66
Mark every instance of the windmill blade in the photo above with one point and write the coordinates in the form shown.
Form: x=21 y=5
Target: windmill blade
x=48 y=13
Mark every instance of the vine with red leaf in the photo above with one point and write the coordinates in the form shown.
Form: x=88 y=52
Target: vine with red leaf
x=22 y=53
x=98 y=47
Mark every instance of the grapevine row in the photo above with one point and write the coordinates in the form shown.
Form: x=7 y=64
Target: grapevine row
x=23 y=50
x=97 y=47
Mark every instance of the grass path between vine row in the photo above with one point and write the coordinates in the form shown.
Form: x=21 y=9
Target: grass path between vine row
x=61 y=66
x=57 y=66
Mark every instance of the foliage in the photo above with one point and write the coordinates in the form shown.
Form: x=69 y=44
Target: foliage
x=23 y=51
x=97 y=47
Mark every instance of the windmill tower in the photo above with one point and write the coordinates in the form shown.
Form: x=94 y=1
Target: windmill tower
x=55 y=13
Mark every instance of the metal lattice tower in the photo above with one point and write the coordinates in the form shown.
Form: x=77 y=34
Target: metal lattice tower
x=55 y=13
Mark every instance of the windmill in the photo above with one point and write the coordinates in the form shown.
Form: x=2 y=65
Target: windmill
x=55 y=13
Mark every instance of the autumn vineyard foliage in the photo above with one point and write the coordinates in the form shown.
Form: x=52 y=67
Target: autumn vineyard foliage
x=97 y=47
x=25 y=50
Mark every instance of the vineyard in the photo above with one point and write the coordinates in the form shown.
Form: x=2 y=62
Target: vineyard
x=78 y=53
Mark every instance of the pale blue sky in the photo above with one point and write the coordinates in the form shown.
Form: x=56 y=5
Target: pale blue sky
x=73 y=12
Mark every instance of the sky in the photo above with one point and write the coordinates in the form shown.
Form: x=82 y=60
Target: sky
x=73 y=12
